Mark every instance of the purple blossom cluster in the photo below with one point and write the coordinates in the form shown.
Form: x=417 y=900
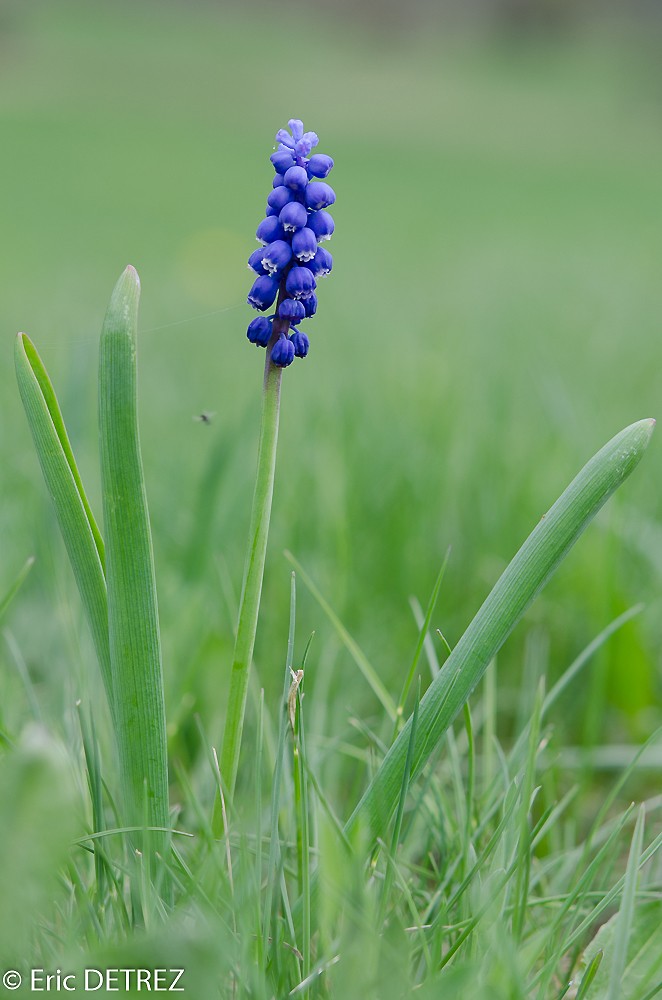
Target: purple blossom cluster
x=291 y=259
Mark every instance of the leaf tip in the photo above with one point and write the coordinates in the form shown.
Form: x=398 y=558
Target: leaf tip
x=122 y=313
x=647 y=427
x=21 y=343
x=131 y=274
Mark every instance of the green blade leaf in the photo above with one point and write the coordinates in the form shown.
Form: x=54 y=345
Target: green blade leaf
x=77 y=525
x=522 y=580
x=135 y=647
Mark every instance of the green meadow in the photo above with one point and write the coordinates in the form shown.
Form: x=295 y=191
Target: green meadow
x=492 y=319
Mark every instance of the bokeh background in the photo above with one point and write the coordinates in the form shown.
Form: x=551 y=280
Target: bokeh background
x=492 y=319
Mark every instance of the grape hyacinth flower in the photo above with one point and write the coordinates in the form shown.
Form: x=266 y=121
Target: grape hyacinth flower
x=287 y=268
x=291 y=259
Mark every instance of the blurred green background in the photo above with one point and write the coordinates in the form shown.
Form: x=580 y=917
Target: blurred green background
x=492 y=319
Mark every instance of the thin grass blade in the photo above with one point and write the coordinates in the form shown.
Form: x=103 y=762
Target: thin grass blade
x=399 y=815
x=589 y=976
x=274 y=843
x=357 y=654
x=422 y=636
x=16 y=585
x=626 y=912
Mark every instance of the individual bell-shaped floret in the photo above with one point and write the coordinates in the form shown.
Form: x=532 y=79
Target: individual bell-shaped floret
x=291 y=310
x=310 y=305
x=282 y=353
x=319 y=195
x=321 y=224
x=319 y=165
x=255 y=261
x=280 y=197
x=321 y=263
x=269 y=230
x=296 y=178
x=293 y=217
x=259 y=331
x=282 y=160
x=276 y=256
x=263 y=292
x=299 y=283
x=300 y=342
x=278 y=181
x=304 y=244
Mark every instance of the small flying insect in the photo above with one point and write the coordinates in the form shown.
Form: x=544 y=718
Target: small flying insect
x=205 y=417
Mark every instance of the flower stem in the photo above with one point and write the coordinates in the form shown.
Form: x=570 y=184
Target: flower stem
x=254 y=571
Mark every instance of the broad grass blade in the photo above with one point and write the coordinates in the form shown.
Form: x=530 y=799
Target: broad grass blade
x=79 y=530
x=135 y=647
x=526 y=575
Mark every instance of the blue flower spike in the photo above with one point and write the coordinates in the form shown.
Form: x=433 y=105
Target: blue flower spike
x=290 y=261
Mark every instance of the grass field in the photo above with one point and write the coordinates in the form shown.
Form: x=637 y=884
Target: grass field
x=493 y=317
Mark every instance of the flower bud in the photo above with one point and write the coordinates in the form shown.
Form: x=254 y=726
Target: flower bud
x=263 y=292
x=282 y=353
x=282 y=161
x=306 y=143
x=293 y=217
x=319 y=195
x=296 y=178
x=295 y=126
x=259 y=331
x=300 y=342
x=310 y=305
x=280 y=197
x=285 y=139
x=319 y=165
x=304 y=244
x=291 y=310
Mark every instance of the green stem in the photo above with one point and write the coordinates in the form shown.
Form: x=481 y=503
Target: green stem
x=254 y=572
